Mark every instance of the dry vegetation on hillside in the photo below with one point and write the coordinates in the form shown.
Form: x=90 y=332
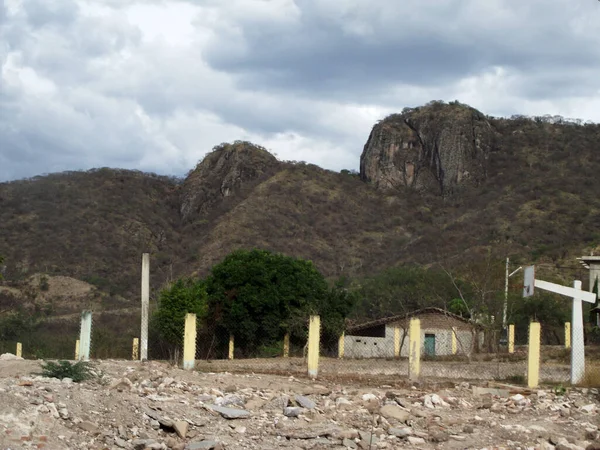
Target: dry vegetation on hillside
x=540 y=202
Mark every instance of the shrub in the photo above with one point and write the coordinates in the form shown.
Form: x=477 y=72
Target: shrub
x=80 y=371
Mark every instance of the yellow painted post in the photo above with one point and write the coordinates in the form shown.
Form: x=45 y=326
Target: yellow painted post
x=135 y=352
x=533 y=358
x=189 y=342
x=231 y=346
x=77 y=350
x=454 y=343
x=286 y=345
x=19 y=350
x=396 y=341
x=314 y=338
x=511 y=338
x=341 y=345
x=567 y=334
x=414 y=344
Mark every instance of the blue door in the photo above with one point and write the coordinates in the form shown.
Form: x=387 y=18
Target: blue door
x=430 y=344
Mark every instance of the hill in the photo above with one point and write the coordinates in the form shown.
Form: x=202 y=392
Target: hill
x=441 y=182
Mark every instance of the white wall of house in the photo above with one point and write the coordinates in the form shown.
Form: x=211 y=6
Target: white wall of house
x=373 y=347
x=368 y=347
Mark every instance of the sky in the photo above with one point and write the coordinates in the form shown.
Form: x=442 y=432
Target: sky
x=153 y=85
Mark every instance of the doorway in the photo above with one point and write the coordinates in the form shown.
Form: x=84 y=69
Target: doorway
x=430 y=344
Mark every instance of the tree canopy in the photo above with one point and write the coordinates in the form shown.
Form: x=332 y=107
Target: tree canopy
x=186 y=295
x=259 y=296
x=404 y=289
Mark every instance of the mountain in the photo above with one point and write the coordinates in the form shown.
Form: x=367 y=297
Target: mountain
x=441 y=182
x=436 y=148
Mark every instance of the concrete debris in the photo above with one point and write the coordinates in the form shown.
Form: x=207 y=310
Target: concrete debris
x=400 y=432
x=292 y=411
x=413 y=440
x=349 y=443
x=394 y=412
x=305 y=402
x=10 y=357
x=203 y=445
x=89 y=427
x=180 y=427
x=477 y=390
x=229 y=413
x=152 y=405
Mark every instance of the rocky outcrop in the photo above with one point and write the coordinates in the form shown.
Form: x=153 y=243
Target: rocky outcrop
x=223 y=172
x=435 y=148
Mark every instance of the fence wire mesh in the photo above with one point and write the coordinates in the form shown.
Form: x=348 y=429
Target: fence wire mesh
x=450 y=349
x=555 y=354
x=219 y=350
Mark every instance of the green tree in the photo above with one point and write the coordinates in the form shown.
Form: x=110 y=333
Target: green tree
x=402 y=289
x=186 y=295
x=258 y=296
x=337 y=305
x=551 y=310
x=1 y=262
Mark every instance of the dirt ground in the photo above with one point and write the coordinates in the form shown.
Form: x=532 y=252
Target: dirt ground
x=550 y=372
x=153 y=405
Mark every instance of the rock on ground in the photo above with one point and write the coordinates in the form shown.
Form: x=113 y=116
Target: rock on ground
x=152 y=405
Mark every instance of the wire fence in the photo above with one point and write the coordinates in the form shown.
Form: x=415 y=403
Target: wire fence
x=443 y=347
x=217 y=349
x=446 y=350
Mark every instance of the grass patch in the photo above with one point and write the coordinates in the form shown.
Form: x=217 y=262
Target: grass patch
x=80 y=371
x=592 y=377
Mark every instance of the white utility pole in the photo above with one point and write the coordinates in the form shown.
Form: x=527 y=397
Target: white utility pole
x=85 y=336
x=145 y=306
x=577 y=347
x=504 y=314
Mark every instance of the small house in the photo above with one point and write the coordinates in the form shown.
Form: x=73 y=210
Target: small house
x=388 y=337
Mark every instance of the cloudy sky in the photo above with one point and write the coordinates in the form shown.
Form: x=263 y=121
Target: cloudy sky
x=153 y=85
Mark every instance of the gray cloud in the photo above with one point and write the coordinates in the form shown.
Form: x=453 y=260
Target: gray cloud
x=415 y=43
x=154 y=84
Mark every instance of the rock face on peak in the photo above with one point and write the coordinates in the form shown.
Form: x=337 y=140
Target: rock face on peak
x=434 y=148
x=223 y=172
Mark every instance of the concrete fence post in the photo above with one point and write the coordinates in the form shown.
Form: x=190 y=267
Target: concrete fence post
x=577 y=339
x=231 y=346
x=135 y=349
x=286 y=345
x=567 y=334
x=77 y=350
x=396 y=341
x=85 y=336
x=511 y=338
x=341 y=345
x=145 y=306
x=189 y=342
x=454 y=342
x=533 y=357
x=19 y=352
x=414 y=345
x=314 y=340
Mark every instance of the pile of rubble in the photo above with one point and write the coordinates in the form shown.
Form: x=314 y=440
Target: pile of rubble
x=155 y=406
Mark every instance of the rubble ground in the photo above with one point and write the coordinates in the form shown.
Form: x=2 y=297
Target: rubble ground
x=153 y=405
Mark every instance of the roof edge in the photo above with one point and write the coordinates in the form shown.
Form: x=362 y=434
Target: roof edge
x=386 y=320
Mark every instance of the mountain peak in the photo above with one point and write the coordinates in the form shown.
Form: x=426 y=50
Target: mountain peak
x=225 y=170
x=435 y=147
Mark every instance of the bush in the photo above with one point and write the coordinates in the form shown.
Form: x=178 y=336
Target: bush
x=186 y=295
x=80 y=371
